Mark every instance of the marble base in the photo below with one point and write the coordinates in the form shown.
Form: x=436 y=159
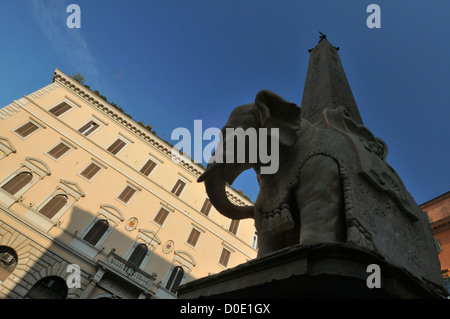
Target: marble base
x=329 y=270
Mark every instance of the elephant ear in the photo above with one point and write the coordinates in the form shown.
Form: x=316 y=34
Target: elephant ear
x=276 y=112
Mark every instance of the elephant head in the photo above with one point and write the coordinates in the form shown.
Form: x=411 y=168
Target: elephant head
x=269 y=111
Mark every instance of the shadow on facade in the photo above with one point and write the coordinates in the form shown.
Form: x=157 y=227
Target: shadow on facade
x=91 y=257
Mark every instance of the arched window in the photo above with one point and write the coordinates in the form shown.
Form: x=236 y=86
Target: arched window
x=175 y=279
x=51 y=287
x=97 y=231
x=8 y=261
x=18 y=182
x=138 y=254
x=54 y=205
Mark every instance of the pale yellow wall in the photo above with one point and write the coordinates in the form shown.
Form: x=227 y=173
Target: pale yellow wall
x=154 y=190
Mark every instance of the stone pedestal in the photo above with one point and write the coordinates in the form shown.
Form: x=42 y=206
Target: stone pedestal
x=329 y=270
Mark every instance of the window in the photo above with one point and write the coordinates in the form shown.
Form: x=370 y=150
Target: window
x=97 y=231
x=255 y=241
x=54 y=205
x=193 y=237
x=234 y=226
x=116 y=146
x=224 y=257
x=206 y=208
x=60 y=109
x=182 y=265
x=175 y=279
x=90 y=171
x=13 y=186
x=89 y=128
x=47 y=213
x=8 y=261
x=59 y=150
x=138 y=254
x=160 y=218
x=141 y=250
x=178 y=188
x=26 y=129
x=148 y=167
x=18 y=182
x=126 y=194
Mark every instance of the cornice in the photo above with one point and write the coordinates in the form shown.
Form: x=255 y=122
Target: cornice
x=441 y=224
x=159 y=144
x=434 y=200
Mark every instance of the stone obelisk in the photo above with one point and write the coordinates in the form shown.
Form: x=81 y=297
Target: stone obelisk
x=326 y=85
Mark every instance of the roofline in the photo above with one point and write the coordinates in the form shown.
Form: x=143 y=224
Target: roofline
x=436 y=199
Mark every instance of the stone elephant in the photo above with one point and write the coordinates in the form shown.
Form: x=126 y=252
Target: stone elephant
x=333 y=184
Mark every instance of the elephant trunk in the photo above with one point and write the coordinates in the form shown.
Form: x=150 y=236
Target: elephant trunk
x=215 y=183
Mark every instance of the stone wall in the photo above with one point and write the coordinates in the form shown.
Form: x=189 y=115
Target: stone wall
x=35 y=262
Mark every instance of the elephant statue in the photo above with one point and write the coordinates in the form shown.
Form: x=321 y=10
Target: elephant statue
x=284 y=225
x=302 y=216
x=333 y=184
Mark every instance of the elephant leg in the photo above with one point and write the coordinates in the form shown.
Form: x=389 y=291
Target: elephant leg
x=320 y=201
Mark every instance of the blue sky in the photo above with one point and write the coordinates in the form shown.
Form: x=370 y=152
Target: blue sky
x=168 y=63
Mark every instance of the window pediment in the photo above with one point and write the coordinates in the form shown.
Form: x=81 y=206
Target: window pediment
x=37 y=166
x=112 y=211
x=6 y=146
x=149 y=236
x=72 y=188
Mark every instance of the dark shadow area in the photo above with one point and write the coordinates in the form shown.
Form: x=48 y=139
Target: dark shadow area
x=77 y=266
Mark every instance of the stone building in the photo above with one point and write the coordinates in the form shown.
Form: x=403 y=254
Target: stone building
x=92 y=204
x=438 y=210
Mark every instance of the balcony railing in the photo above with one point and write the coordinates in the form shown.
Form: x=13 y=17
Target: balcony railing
x=130 y=270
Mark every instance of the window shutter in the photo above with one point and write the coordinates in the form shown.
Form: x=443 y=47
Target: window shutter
x=234 y=226
x=90 y=171
x=206 y=207
x=160 y=218
x=96 y=232
x=54 y=206
x=87 y=129
x=126 y=194
x=18 y=182
x=138 y=254
x=178 y=188
x=26 y=129
x=175 y=279
x=59 y=150
x=193 y=237
x=148 y=167
x=224 y=257
x=116 y=146
x=60 y=109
